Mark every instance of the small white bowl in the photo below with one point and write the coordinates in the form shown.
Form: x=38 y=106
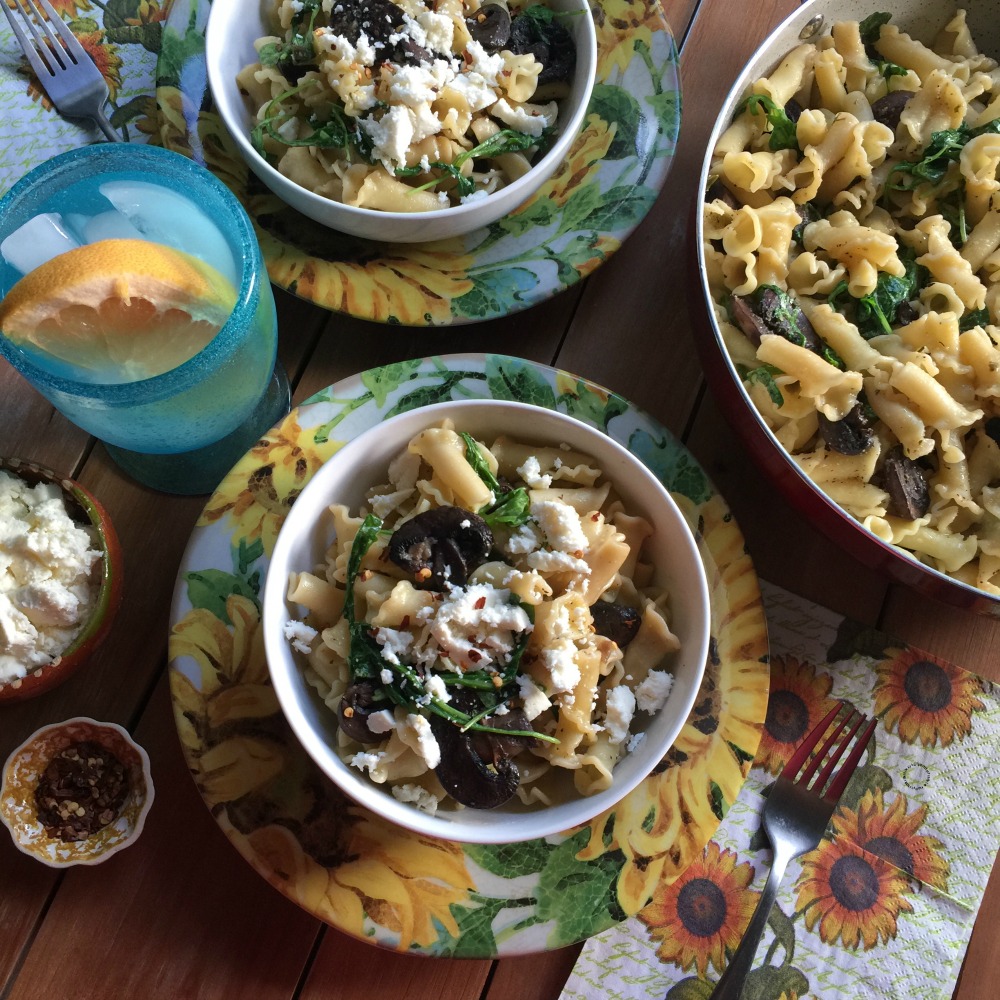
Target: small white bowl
x=344 y=478
x=25 y=767
x=234 y=26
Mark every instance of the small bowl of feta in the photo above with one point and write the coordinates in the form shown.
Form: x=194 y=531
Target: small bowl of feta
x=486 y=621
x=402 y=125
x=60 y=577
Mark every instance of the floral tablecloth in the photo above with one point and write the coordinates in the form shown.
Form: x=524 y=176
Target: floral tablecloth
x=884 y=907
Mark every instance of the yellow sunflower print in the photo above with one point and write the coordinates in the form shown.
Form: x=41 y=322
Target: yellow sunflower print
x=925 y=699
x=257 y=493
x=798 y=700
x=707 y=766
x=233 y=735
x=620 y=24
x=855 y=895
x=701 y=916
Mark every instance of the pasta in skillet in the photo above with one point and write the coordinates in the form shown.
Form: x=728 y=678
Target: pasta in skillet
x=852 y=243
x=486 y=626
x=410 y=106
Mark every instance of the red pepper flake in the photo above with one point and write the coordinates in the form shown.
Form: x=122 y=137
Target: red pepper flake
x=81 y=791
x=480 y=603
x=475 y=656
x=595 y=516
x=405 y=623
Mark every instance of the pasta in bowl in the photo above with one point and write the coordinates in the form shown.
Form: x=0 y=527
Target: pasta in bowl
x=402 y=120
x=486 y=621
x=849 y=249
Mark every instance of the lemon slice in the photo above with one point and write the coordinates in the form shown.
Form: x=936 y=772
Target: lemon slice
x=118 y=310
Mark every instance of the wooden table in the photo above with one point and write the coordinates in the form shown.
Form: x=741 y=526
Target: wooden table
x=180 y=914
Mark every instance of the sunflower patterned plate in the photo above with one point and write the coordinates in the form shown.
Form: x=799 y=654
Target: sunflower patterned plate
x=123 y=38
x=607 y=184
x=358 y=872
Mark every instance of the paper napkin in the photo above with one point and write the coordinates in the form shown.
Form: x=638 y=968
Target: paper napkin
x=884 y=907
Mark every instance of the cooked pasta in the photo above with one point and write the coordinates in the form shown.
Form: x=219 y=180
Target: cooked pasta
x=495 y=629
x=411 y=106
x=852 y=230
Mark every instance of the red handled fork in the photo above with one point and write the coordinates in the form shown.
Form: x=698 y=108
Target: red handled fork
x=795 y=816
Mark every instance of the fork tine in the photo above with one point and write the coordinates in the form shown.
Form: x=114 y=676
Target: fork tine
x=838 y=744
x=839 y=783
x=52 y=18
x=798 y=758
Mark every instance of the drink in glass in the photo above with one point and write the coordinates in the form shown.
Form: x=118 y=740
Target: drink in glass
x=144 y=312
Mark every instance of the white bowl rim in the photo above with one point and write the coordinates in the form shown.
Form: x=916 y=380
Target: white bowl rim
x=557 y=151
x=546 y=821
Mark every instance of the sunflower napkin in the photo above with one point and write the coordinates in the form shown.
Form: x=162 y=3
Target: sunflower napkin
x=884 y=907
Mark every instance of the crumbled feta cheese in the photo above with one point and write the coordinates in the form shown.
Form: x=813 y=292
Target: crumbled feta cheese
x=417 y=735
x=524 y=539
x=439 y=31
x=560 y=523
x=652 y=692
x=300 y=635
x=424 y=800
x=382 y=721
x=366 y=761
x=484 y=65
x=633 y=742
x=534 y=701
x=620 y=709
x=524 y=121
x=386 y=675
x=531 y=473
x=394 y=643
x=436 y=687
x=557 y=562
x=46 y=588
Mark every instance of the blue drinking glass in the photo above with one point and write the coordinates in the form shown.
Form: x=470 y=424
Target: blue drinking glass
x=183 y=430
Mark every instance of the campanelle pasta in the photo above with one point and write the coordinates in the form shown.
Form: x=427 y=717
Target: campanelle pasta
x=852 y=229
x=410 y=106
x=489 y=612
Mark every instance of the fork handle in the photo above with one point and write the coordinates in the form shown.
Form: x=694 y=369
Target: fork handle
x=730 y=986
x=104 y=124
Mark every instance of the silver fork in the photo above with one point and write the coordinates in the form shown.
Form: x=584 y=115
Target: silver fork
x=70 y=77
x=795 y=816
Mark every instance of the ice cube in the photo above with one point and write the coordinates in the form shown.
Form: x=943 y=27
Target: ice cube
x=40 y=239
x=105 y=226
x=172 y=219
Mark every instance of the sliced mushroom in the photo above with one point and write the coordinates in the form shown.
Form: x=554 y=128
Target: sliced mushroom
x=551 y=44
x=490 y=26
x=793 y=109
x=357 y=704
x=850 y=436
x=774 y=311
x=906 y=485
x=618 y=622
x=992 y=428
x=489 y=745
x=381 y=21
x=469 y=777
x=717 y=191
x=888 y=109
x=441 y=546
x=743 y=315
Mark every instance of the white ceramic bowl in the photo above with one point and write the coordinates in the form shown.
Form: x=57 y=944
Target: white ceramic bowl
x=306 y=535
x=234 y=26
x=922 y=19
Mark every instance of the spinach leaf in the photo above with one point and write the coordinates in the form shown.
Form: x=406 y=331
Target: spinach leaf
x=505 y=141
x=364 y=658
x=511 y=508
x=874 y=314
x=782 y=127
x=764 y=375
x=870 y=27
x=944 y=149
x=977 y=317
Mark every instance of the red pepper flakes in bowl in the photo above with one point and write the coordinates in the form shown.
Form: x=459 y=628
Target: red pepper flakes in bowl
x=76 y=792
